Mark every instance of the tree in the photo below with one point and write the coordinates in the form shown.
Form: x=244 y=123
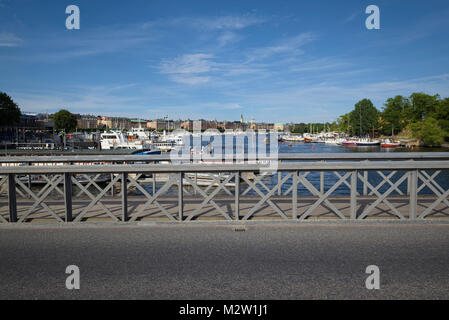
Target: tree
x=343 y=123
x=422 y=106
x=394 y=114
x=64 y=120
x=428 y=132
x=442 y=114
x=298 y=128
x=364 y=117
x=9 y=110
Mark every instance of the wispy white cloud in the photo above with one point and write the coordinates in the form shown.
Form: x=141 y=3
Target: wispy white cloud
x=188 y=63
x=227 y=22
x=324 y=101
x=291 y=45
x=187 y=69
x=201 y=68
x=61 y=46
x=189 y=79
x=227 y=38
x=352 y=17
x=9 y=40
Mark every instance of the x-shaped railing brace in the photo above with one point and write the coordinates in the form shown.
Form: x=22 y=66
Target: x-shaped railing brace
x=152 y=198
x=208 y=198
x=92 y=182
x=265 y=197
x=257 y=180
x=385 y=180
x=95 y=200
x=442 y=196
x=41 y=196
x=85 y=189
x=382 y=197
x=322 y=197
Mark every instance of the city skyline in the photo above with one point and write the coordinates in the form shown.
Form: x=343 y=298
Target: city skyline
x=277 y=63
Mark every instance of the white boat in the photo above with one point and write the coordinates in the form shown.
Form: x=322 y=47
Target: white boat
x=337 y=141
x=140 y=133
x=164 y=146
x=290 y=138
x=113 y=140
x=176 y=137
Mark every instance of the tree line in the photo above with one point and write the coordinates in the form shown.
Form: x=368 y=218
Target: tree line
x=10 y=115
x=421 y=116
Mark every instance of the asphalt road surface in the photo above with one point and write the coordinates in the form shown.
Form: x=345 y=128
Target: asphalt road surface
x=319 y=261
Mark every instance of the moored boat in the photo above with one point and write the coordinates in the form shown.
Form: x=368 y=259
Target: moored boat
x=349 y=143
x=368 y=143
x=390 y=144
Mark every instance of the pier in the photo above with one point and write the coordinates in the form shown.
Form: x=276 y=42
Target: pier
x=304 y=187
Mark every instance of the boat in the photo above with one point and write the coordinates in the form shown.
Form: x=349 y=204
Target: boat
x=367 y=143
x=337 y=141
x=114 y=140
x=388 y=143
x=175 y=138
x=165 y=146
x=349 y=143
x=290 y=138
x=146 y=152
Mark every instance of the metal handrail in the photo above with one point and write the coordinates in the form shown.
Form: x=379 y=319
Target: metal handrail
x=244 y=167
x=374 y=156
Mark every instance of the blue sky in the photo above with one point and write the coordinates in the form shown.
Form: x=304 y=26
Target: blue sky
x=273 y=61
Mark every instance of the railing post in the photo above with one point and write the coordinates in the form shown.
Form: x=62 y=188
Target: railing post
x=237 y=196
x=279 y=183
x=180 y=197
x=154 y=183
x=295 y=196
x=112 y=187
x=353 y=195
x=409 y=183
x=322 y=180
x=12 y=203
x=365 y=180
x=196 y=182
x=413 y=183
x=124 y=186
x=29 y=181
x=68 y=196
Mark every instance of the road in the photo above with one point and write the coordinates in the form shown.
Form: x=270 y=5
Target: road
x=266 y=261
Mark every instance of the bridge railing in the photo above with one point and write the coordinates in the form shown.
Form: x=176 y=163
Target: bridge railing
x=354 y=189
x=129 y=159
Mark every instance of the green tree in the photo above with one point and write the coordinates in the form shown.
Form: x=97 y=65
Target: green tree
x=343 y=123
x=298 y=128
x=394 y=114
x=428 y=132
x=364 y=117
x=9 y=110
x=422 y=106
x=442 y=114
x=334 y=126
x=64 y=120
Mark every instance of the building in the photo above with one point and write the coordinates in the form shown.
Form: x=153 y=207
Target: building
x=159 y=124
x=187 y=125
x=87 y=122
x=279 y=127
x=138 y=123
